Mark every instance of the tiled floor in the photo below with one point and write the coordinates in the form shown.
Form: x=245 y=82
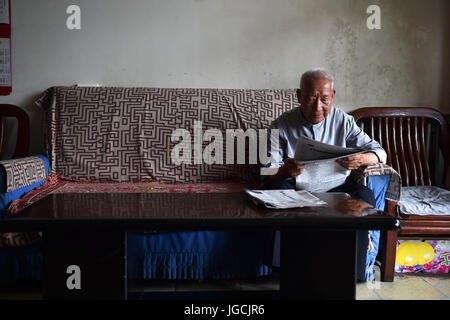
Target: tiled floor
x=405 y=287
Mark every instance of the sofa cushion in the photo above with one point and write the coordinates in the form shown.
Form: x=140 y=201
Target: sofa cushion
x=425 y=200
x=126 y=134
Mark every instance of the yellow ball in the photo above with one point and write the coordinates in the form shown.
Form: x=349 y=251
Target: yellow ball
x=425 y=253
x=410 y=254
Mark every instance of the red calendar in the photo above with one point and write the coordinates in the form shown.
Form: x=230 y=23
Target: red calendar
x=5 y=47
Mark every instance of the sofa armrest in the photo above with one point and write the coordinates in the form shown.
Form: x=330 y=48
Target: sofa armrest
x=19 y=173
x=17 y=177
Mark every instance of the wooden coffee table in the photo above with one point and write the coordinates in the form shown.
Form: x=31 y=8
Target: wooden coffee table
x=84 y=235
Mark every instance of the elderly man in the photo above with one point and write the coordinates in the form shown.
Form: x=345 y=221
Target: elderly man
x=318 y=119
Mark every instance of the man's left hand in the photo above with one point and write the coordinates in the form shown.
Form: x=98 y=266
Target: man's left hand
x=356 y=161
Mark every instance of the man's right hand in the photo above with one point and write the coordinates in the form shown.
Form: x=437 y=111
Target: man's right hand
x=291 y=169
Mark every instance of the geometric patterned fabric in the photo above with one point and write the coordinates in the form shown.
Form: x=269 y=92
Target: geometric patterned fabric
x=394 y=189
x=125 y=134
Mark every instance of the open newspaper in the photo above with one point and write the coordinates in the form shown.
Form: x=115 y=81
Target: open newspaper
x=322 y=172
x=283 y=199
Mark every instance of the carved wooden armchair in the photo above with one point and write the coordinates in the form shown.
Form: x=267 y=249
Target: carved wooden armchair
x=417 y=144
x=23 y=129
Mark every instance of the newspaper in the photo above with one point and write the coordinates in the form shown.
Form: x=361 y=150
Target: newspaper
x=283 y=199
x=322 y=172
x=308 y=150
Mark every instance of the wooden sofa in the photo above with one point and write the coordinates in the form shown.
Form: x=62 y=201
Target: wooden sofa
x=417 y=142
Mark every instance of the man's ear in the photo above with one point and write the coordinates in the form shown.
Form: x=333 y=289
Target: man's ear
x=334 y=93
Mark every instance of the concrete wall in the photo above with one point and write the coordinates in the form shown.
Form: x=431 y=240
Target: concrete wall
x=233 y=44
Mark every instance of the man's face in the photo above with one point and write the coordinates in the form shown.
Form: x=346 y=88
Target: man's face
x=316 y=98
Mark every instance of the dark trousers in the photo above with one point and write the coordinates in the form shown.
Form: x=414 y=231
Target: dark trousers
x=355 y=190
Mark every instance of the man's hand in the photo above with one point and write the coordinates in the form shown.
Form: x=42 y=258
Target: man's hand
x=356 y=161
x=291 y=169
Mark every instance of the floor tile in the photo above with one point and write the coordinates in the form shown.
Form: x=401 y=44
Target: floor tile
x=440 y=282
x=20 y=295
x=22 y=290
x=260 y=284
x=432 y=294
x=151 y=285
x=365 y=291
x=207 y=285
x=407 y=287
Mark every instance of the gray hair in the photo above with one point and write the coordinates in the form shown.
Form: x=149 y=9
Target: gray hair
x=317 y=73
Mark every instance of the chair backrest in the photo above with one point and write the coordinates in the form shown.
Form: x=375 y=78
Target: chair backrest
x=23 y=129
x=416 y=140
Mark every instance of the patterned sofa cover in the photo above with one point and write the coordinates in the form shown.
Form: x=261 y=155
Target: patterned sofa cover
x=115 y=139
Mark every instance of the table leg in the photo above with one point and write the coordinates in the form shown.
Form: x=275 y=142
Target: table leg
x=79 y=263
x=318 y=264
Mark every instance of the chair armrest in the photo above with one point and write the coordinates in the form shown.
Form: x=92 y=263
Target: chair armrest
x=22 y=172
x=393 y=192
x=392 y=208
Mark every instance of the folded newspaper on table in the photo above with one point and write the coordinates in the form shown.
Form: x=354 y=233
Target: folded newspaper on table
x=322 y=172
x=283 y=199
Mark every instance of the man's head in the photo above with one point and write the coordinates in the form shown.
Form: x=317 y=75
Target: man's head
x=316 y=94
